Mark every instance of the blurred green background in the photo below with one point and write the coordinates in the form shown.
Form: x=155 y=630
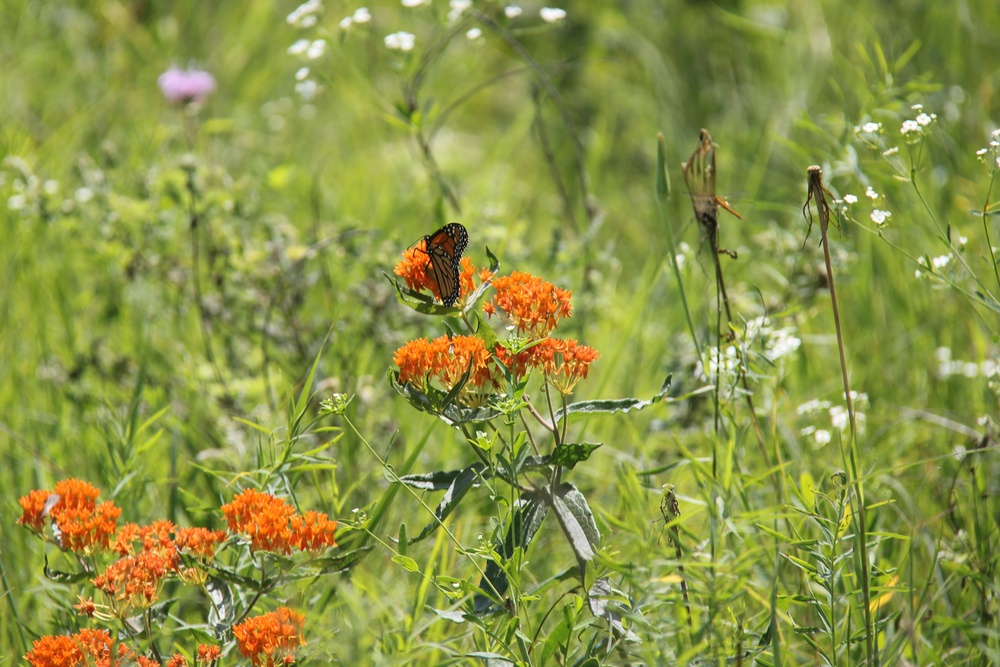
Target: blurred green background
x=546 y=137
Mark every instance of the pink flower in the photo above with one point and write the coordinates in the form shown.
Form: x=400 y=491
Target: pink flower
x=183 y=86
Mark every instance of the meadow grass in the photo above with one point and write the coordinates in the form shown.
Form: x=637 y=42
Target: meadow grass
x=184 y=285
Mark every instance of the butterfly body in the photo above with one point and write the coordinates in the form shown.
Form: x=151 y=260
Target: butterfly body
x=444 y=249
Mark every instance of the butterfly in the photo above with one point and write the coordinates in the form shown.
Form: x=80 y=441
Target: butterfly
x=444 y=248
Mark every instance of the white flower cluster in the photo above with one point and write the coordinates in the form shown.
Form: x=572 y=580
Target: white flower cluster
x=948 y=367
x=990 y=154
x=913 y=129
x=360 y=16
x=305 y=15
x=839 y=417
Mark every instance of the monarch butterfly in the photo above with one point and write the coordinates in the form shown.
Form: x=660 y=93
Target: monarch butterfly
x=444 y=248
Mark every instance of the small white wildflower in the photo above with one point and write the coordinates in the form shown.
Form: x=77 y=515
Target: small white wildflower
x=684 y=247
x=345 y=23
x=512 y=11
x=814 y=405
x=909 y=126
x=879 y=217
x=17 y=202
x=362 y=15
x=316 y=49
x=994 y=144
x=871 y=194
x=299 y=47
x=962 y=240
x=850 y=199
x=871 y=128
x=84 y=195
x=984 y=420
x=839 y=417
x=552 y=14
x=474 y=33
x=400 y=41
x=302 y=74
x=890 y=151
x=457 y=8
x=922 y=261
x=998 y=162
x=917 y=274
x=307 y=89
x=822 y=437
x=970 y=369
x=982 y=151
x=415 y=3
x=303 y=12
x=924 y=119
x=995 y=133
x=782 y=343
x=942 y=354
x=917 y=107
x=680 y=259
x=309 y=21
x=940 y=261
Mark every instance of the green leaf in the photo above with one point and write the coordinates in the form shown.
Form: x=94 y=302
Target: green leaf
x=430 y=402
x=424 y=304
x=222 y=611
x=611 y=406
x=577 y=521
x=407 y=563
x=525 y=521
x=662 y=175
x=568 y=455
x=459 y=486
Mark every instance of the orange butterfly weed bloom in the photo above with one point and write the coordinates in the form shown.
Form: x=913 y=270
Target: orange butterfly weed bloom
x=564 y=362
x=270 y=638
x=313 y=532
x=199 y=542
x=87 y=647
x=208 y=653
x=57 y=651
x=135 y=581
x=177 y=660
x=274 y=525
x=441 y=363
x=534 y=306
x=82 y=524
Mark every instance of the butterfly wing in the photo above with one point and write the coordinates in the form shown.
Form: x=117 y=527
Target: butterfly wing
x=444 y=249
x=699 y=176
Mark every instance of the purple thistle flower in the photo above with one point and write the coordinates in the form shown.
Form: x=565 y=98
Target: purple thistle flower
x=183 y=86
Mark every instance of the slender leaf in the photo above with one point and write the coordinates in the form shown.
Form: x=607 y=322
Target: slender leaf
x=577 y=521
x=459 y=486
x=524 y=523
x=611 y=406
x=568 y=455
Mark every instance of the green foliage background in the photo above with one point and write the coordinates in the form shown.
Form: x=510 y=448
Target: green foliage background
x=303 y=206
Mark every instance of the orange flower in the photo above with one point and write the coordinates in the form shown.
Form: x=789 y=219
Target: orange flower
x=199 y=542
x=263 y=518
x=270 y=637
x=444 y=361
x=147 y=662
x=134 y=581
x=81 y=524
x=313 y=532
x=58 y=651
x=564 y=362
x=534 y=306
x=85 y=607
x=177 y=660
x=33 y=509
x=95 y=644
x=208 y=653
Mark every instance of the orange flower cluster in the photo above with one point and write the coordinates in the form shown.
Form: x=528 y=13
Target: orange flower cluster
x=270 y=639
x=134 y=581
x=534 y=306
x=81 y=524
x=413 y=270
x=564 y=362
x=87 y=647
x=274 y=525
x=442 y=362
